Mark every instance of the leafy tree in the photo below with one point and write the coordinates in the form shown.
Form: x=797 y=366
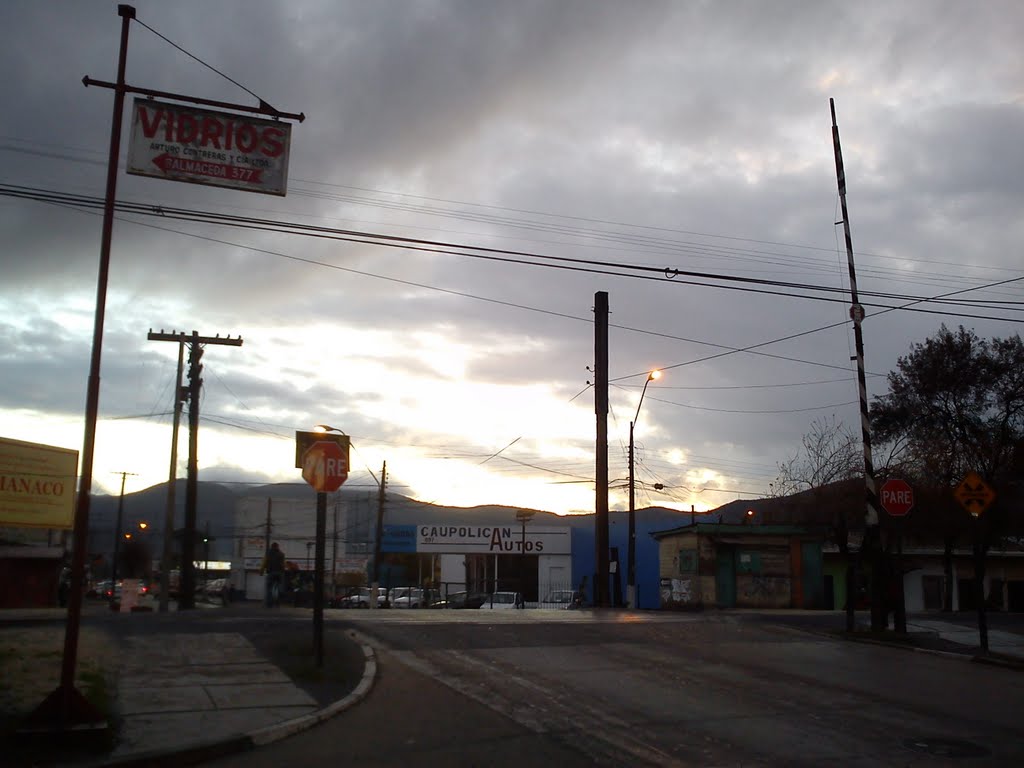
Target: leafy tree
x=956 y=404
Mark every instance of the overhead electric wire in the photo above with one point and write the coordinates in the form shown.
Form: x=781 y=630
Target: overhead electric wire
x=660 y=274
x=805 y=333
x=577 y=232
x=462 y=294
x=609 y=222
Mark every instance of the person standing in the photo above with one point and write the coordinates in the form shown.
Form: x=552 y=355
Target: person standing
x=273 y=567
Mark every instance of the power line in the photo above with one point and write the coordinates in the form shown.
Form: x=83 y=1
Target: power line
x=519 y=223
x=525 y=258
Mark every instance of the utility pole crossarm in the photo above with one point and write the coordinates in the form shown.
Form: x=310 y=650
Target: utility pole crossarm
x=191 y=393
x=193 y=338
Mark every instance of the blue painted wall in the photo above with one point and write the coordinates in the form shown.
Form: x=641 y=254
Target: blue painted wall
x=647 y=579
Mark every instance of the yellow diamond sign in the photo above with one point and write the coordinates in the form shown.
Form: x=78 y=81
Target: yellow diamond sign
x=974 y=494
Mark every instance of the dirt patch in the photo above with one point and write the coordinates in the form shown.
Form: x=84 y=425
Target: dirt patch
x=30 y=669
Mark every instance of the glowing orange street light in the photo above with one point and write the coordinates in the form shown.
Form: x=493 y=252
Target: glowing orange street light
x=631 y=543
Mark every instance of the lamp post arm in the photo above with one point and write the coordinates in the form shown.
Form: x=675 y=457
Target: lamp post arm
x=642 y=393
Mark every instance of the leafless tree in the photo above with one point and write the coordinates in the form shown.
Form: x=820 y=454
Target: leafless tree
x=830 y=453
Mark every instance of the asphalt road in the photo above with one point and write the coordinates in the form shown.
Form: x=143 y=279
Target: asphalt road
x=688 y=690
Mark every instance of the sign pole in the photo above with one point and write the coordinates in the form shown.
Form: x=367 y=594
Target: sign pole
x=975 y=496
x=318 y=579
x=979 y=584
x=324 y=462
x=66 y=706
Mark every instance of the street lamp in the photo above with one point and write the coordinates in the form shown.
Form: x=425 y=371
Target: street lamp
x=327 y=428
x=523 y=516
x=631 y=573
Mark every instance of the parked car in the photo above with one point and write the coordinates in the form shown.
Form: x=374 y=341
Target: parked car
x=501 y=600
x=416 y=598
x=461 y=600
x=406 y=597
x=106 y=590
x=215 y=590
x=100 y=589
x=560 y=598
x=360 y=598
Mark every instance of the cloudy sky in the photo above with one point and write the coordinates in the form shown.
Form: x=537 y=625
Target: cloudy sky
x=688 y=136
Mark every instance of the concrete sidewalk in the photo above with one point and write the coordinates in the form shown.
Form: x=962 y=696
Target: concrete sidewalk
x=1000 y=642
x=184 y=697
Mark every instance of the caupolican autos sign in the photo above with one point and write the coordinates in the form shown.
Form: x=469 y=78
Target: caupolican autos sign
x=494 y=539
x=37 y=485
x=218 y=149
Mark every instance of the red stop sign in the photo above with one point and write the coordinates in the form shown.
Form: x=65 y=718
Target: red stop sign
x=325 y=466
x=897 y=497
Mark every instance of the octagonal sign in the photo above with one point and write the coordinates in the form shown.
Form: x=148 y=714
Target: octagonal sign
x=325 y=466
x=897 y=497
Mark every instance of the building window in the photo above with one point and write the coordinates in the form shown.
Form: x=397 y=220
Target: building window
x=687 y=561
x=748 y=562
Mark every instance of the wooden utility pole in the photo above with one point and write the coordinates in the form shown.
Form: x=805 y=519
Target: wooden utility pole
x=601 y=409
x=187 y=585
x=117 y=539
x=172 y=480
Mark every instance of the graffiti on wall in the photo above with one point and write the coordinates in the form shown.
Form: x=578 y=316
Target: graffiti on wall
x=766 y=590
x=677 y=591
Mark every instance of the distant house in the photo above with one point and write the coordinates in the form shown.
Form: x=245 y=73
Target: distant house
x=835 y=513
x=30 y=576
x=706 y=565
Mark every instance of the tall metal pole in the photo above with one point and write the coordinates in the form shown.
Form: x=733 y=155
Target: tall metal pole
x=523 y=516
x=318 y=579
x=379 y=537
x=172 y=481
x=334 y=550
x=601 y=448
x=206 y=557
x=631 y=544
x=66 y=703
x=871 y=533
x=117 y=542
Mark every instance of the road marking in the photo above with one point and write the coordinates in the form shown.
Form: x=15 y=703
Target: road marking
x=540 y=709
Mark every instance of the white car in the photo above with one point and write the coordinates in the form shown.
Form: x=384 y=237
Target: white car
x=360 y=598
x=560 y=598
x=501 y=600
x=413 y=597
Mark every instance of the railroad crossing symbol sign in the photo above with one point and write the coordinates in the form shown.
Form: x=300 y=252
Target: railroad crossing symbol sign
x=974 y=494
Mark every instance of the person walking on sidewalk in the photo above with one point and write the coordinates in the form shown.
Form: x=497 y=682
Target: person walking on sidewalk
x=273 y=567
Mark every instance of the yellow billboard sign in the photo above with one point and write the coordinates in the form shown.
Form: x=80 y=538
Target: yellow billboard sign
x=37 y=485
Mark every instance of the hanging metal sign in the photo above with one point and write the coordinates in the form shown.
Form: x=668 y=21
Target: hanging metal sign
x=201 y=146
